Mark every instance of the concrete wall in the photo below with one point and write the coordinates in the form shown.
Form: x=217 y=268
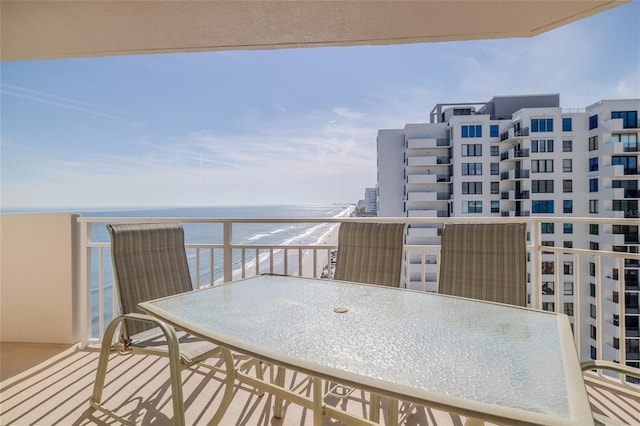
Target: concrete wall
x=39 y=284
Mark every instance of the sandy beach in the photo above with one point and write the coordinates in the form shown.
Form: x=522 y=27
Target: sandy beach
x=329 y=239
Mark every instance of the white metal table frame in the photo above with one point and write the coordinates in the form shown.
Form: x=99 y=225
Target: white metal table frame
x=499 y=363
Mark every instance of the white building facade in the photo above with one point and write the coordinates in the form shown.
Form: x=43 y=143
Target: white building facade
x=526 y=156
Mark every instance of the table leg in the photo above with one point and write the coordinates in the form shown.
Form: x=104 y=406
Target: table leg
x=278 y=402
x=374 y=408
x=393 y=411
x=318 y=401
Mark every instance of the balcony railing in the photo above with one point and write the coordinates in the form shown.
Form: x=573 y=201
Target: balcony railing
x=213 y=262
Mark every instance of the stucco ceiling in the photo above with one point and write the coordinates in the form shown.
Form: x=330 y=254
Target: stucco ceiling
x=60 y=29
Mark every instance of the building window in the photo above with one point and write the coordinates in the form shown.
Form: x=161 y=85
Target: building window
x=593 y=185
x=567 y=244
x=472 y=187
x=548 y=306
x=629 y=207
x=542 y=124
x=630 y=163
x=472 y=150
x=592 y=293
x=593 y=206
x=567 y=185
x=567 y=268
x=472 y=207
x=629 y=118
x=541 y=166
x=566 y=124
x=568 y=309
x=547 y=244
x=592 y=269
x=495 y=187
x=568 y=288
x=542 y=206
x=616 y=320
x=567 y=206
x=547 y=227
x=592 y=310
x=547 y=287
x=594 y=229
x=593 y=143
x=495 y=206
x=616 y=343
x=542 y=186
x=495 y=151
x=547 y=267
x=542 y=145
x=594 y=353
x=494 y=131
x=473 y=131
x=593 y=122
x=629 y=141
x=567 y=165
x=592 y=331
x=615 y=297
x=593 y=164
x=471 y=169
x=567 y=146
x=495 y=168
x=594 y=245
x=567 y=228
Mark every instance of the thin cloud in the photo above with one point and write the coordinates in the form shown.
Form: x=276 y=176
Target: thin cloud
x=50 y=99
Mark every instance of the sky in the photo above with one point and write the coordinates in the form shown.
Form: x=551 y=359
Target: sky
x=291 y=126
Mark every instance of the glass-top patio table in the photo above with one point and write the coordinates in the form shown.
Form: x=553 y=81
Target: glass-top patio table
x=484 y=360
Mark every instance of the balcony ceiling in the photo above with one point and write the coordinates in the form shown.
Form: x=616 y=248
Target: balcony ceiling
x=63 y=29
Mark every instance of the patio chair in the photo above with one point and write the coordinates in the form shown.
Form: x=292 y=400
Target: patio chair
x=370 y=253
x=150 y=262
x=599 y=419
x=484 y=261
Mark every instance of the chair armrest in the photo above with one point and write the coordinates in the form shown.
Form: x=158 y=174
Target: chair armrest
x=609 y=365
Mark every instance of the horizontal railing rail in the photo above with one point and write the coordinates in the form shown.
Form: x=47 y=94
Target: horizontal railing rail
x=579 y=285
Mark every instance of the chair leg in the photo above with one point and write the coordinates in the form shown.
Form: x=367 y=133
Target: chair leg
x=175 y=368
x=230 y=380
x=101 y=372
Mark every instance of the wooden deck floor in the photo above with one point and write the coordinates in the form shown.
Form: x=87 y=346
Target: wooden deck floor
x=57 y=392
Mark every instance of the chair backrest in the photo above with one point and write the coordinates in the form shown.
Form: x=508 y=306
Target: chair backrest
x=149 y=262
x=370 y=253
x=484 y=261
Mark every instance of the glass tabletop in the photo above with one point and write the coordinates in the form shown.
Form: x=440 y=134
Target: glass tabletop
x=416 y=343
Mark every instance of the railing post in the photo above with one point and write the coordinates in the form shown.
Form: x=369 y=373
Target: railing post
x=227 y=251
x=85 y=283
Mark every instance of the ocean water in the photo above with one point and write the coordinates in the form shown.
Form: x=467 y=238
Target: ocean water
x=196 y=233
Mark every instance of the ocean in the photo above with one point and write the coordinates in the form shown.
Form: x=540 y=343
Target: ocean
x=197 y=233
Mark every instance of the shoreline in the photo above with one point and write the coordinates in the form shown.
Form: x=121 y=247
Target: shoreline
x=329 y=238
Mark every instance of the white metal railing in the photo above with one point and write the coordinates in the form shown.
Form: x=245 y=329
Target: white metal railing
x=590 y=269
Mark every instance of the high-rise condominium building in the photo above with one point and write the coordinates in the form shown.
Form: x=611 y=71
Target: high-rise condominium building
x=526 y=156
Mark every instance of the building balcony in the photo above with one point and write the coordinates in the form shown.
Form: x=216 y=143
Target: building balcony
x=514 y=174
x=514 y=134
x=66 y=310
x=421 y=143
x=514 y=154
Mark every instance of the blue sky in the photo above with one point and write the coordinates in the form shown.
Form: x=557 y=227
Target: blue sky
x=295 y=126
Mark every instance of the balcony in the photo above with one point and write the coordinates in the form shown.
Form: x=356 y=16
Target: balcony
x=513 y=133
x=514 y=154
x=75 y=301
